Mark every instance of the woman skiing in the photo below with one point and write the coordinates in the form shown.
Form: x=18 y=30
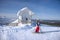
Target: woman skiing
x=37 y=26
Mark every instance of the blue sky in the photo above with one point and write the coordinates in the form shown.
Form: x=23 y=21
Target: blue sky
x=46 y=9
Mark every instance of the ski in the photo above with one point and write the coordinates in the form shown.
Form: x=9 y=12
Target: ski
x=46 y=32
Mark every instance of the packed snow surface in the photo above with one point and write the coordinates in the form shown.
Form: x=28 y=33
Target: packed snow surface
x=27 y=33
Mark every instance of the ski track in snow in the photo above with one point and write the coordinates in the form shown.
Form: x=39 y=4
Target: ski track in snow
x=27 y=33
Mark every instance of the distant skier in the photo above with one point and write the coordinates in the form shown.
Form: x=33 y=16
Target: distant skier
x=37 y=27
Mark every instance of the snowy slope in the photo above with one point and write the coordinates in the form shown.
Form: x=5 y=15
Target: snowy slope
x=26 y=33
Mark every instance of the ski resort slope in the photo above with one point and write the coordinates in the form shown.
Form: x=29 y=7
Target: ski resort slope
x=27 y=33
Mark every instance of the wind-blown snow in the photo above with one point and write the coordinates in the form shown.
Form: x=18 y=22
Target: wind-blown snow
x=27 y=33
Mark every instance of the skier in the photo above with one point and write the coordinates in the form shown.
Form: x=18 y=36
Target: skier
x=37 y=27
